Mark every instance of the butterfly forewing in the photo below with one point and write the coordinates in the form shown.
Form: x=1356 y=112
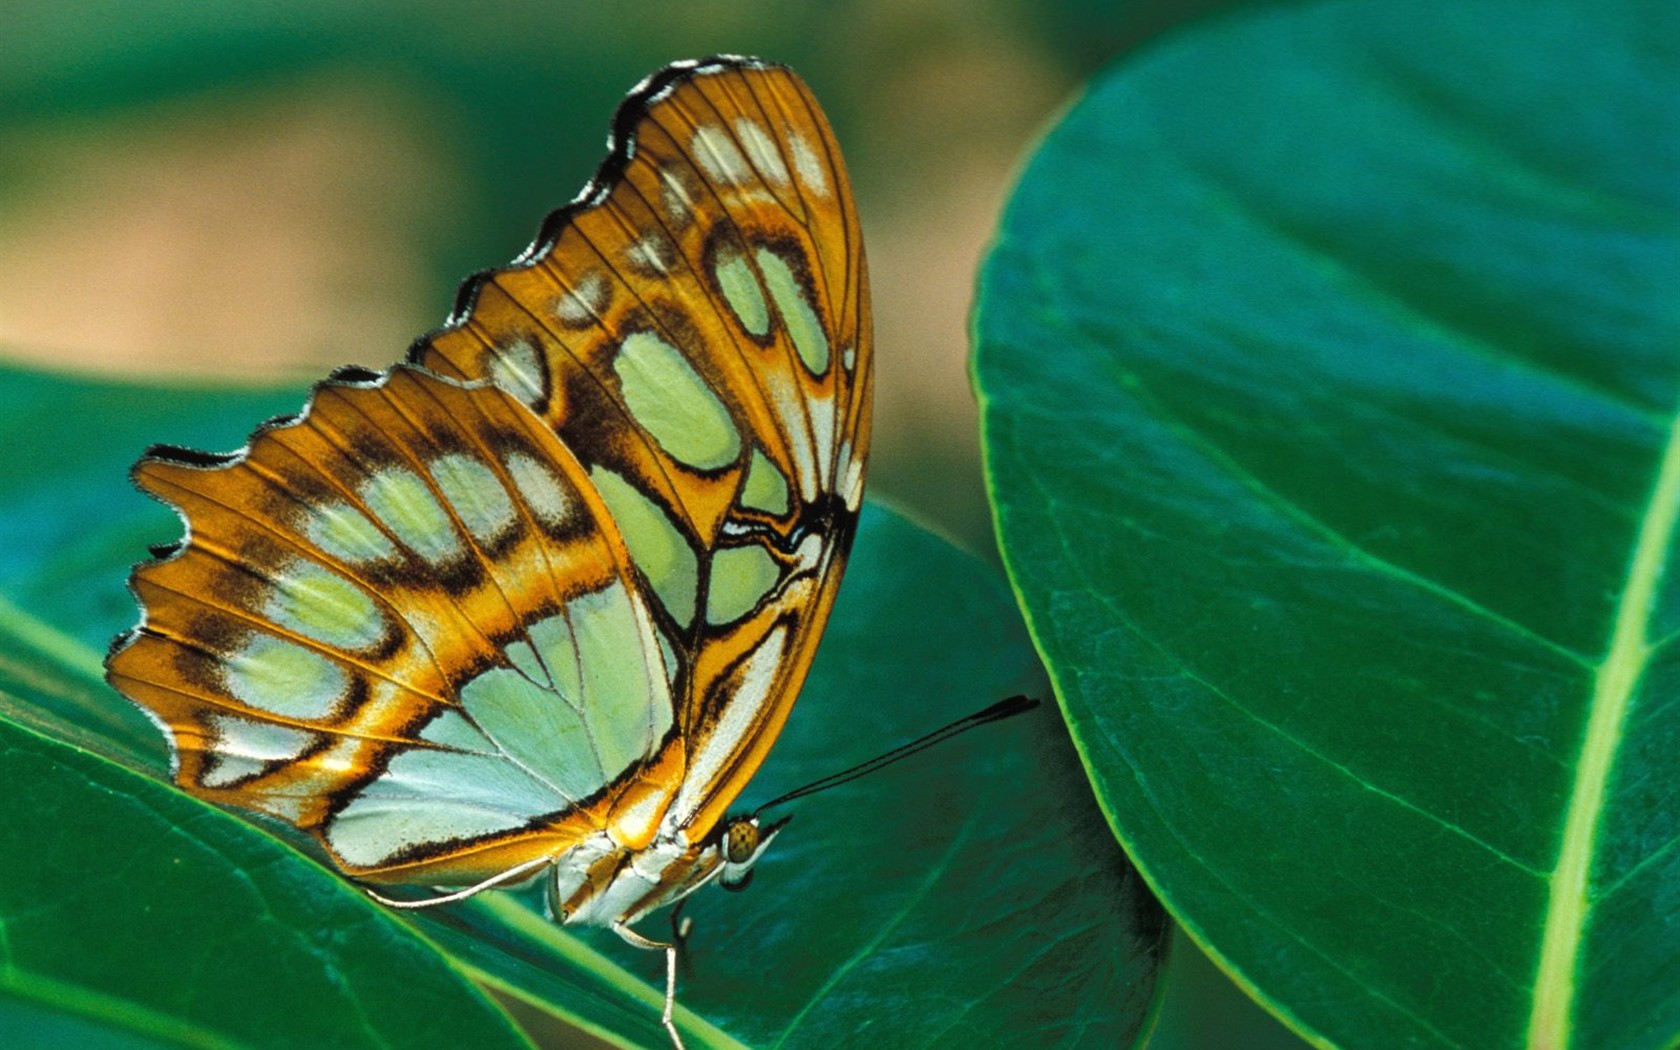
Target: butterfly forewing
x=405 y=622
x=696 y=328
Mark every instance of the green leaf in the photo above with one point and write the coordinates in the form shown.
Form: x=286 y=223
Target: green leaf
x=965 y=898
x=70 y=523
x=28 y=1023
x=1329 y=367
x=71 y=516
x=129 y=909
x=971 y=896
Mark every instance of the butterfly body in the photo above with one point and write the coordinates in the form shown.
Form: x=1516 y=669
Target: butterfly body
x=538 y=601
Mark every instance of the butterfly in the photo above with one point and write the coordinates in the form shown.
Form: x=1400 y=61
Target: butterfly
x=537 y=601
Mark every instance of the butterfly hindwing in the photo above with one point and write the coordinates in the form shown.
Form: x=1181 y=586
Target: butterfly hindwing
x=404 y=622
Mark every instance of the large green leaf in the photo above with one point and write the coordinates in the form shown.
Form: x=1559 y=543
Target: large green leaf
x=131 y=909
x=1330 y=363
x=971 y=896
x=70 y=522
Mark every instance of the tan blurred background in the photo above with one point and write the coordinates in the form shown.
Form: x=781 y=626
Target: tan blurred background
x=223 y=191
x=172 y=210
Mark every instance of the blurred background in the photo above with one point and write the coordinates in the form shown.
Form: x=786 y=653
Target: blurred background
x=221 y=191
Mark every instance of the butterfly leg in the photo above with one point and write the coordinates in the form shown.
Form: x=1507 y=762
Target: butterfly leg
x=680 y=927
x=632 y=937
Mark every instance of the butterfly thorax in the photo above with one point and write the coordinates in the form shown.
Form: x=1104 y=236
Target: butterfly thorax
x=599 y=882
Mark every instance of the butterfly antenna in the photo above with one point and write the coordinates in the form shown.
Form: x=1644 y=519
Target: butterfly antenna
x=1002 y=709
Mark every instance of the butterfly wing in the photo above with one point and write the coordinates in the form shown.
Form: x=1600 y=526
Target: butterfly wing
x=696 y=329
x=404 y=622
x=459 y=616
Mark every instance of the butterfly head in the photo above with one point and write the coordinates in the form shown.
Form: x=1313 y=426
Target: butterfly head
x=744 y=841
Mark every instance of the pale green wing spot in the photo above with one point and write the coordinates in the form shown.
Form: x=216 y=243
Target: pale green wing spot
x=449 y=729
x=244 y=746
x=679 y=205
x=652 y=254
x=741 y=577
x=809 y=167
x=524 y=657
x=668 y=653
x=479 y=499
x=789 y=400
x=583 y=304
x=718 y=155
x=851 y=485
x=345 y=533
x=517 y=369
x=762 y=150
x=626 y=700
x=669 y=399
x=596 y=711
x=742 y=292
x=546 y=497
x=553 y=639
x=320 y=604
x=656 y=546
x=804 y=329
x=766 y=489
x=536 y=729
x=427 y=796
x=718 y=745
x=401 y=500
x=821 y=413
x=284 y=678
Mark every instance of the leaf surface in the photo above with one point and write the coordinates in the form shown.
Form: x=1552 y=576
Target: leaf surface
x=133 y=912
x=1329 y=363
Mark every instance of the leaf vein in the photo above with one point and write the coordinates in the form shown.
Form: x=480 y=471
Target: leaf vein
x=921 y=892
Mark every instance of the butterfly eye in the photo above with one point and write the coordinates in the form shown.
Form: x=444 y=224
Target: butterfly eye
x=739 y=845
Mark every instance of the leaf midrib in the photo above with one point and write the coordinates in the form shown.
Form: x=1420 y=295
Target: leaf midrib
x=116 y=1013
x=571 y=951
x=936 y=871
x=1617 y=676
